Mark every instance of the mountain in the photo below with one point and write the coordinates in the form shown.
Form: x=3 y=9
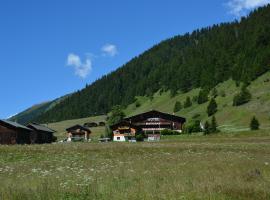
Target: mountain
x=32 y=113
x=238 y=50
x=229 y=118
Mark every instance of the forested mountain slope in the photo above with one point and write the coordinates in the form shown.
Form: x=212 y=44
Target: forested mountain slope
x=32 y=113
x=204 y=58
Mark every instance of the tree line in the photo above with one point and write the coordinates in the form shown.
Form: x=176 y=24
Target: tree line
x=239 y=50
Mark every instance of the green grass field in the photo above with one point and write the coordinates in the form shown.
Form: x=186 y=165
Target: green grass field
x=224 y=166
x=229 y=118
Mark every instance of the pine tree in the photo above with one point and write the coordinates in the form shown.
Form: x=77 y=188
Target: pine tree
x=203 y=96
x=206 y=128
x=243 y=97
x=177 y=106
x=212 y=107
x=116 y=116
x=187 y=103
x=254 y=124
x=214 y=93
x=213 y=126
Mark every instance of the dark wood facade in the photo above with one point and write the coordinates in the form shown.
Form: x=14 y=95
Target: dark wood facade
x=14 y=133
x=152 y=122
x=41 y=134
x=77 y=133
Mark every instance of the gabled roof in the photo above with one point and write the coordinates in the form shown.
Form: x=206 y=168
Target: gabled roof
x=78 y=127
x=154 y=114
x=124 y=123
x=39 y=127
x=14 y=125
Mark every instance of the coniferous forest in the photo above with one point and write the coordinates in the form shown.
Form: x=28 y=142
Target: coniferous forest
x=239 y=50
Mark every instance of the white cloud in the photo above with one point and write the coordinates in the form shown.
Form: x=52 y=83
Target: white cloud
x=109 y=50
x=241 y=7
x=81 y=69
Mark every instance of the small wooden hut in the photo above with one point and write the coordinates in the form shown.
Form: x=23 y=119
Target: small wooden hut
x=14 y=133
x=41 y=134
x=78 y=133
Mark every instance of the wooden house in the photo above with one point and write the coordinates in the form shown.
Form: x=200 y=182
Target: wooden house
x=124 y=131
x=14 y=133
x=149 y=123
x=41 y=134
x=78 y=133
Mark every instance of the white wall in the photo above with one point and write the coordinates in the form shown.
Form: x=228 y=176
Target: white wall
x=119 y=138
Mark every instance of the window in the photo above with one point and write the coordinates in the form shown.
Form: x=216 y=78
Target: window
x=118 y=138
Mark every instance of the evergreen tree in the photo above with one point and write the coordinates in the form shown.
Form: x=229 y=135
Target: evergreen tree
x=214 y=93
x=206 y=128
x=254 y=124
x=212 y=107
x=243 y=97
x=117 y=115
x=177 y=106
x=213 y=126
x=187 y=103
x=203 y=96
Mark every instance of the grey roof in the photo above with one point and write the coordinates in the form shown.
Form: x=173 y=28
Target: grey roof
x=39 y=127
x=15 y=124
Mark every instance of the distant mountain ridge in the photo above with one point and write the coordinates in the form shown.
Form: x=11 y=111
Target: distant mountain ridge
x=202 y=59
x=32 y=113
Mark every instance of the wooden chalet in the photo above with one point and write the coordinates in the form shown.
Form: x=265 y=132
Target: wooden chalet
x=150 y=123
x=124 y=131
x=78 y=133
x=14 y=133
x=41 y=134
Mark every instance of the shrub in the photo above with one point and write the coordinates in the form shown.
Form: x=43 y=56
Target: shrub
x=187 y=103
x=241 y=98
x=169 y=132
x=140 y=137
x=193 y=127
x=254 y=124
x=177 y=106
x=137 y=104
x=212 y=107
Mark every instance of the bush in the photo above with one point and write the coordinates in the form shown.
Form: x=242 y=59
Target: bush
x=169 y=132
x=137 y=104
x=193 y=127
x=254 y=124
x=243 y=97
x=140 y=137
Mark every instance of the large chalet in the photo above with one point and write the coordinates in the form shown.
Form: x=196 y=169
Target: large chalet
x=150 y=123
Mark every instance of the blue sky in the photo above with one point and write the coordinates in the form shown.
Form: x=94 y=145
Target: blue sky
x=49 y=48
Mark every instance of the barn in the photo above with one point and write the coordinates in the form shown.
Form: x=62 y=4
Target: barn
x=14 y=133
x=78 y=133
x=149 y=123
x=41 y=134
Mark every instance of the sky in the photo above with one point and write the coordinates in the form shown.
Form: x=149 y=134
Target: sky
x=50 y=48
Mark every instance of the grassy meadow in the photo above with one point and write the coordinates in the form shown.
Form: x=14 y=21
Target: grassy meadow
x=222 y=166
